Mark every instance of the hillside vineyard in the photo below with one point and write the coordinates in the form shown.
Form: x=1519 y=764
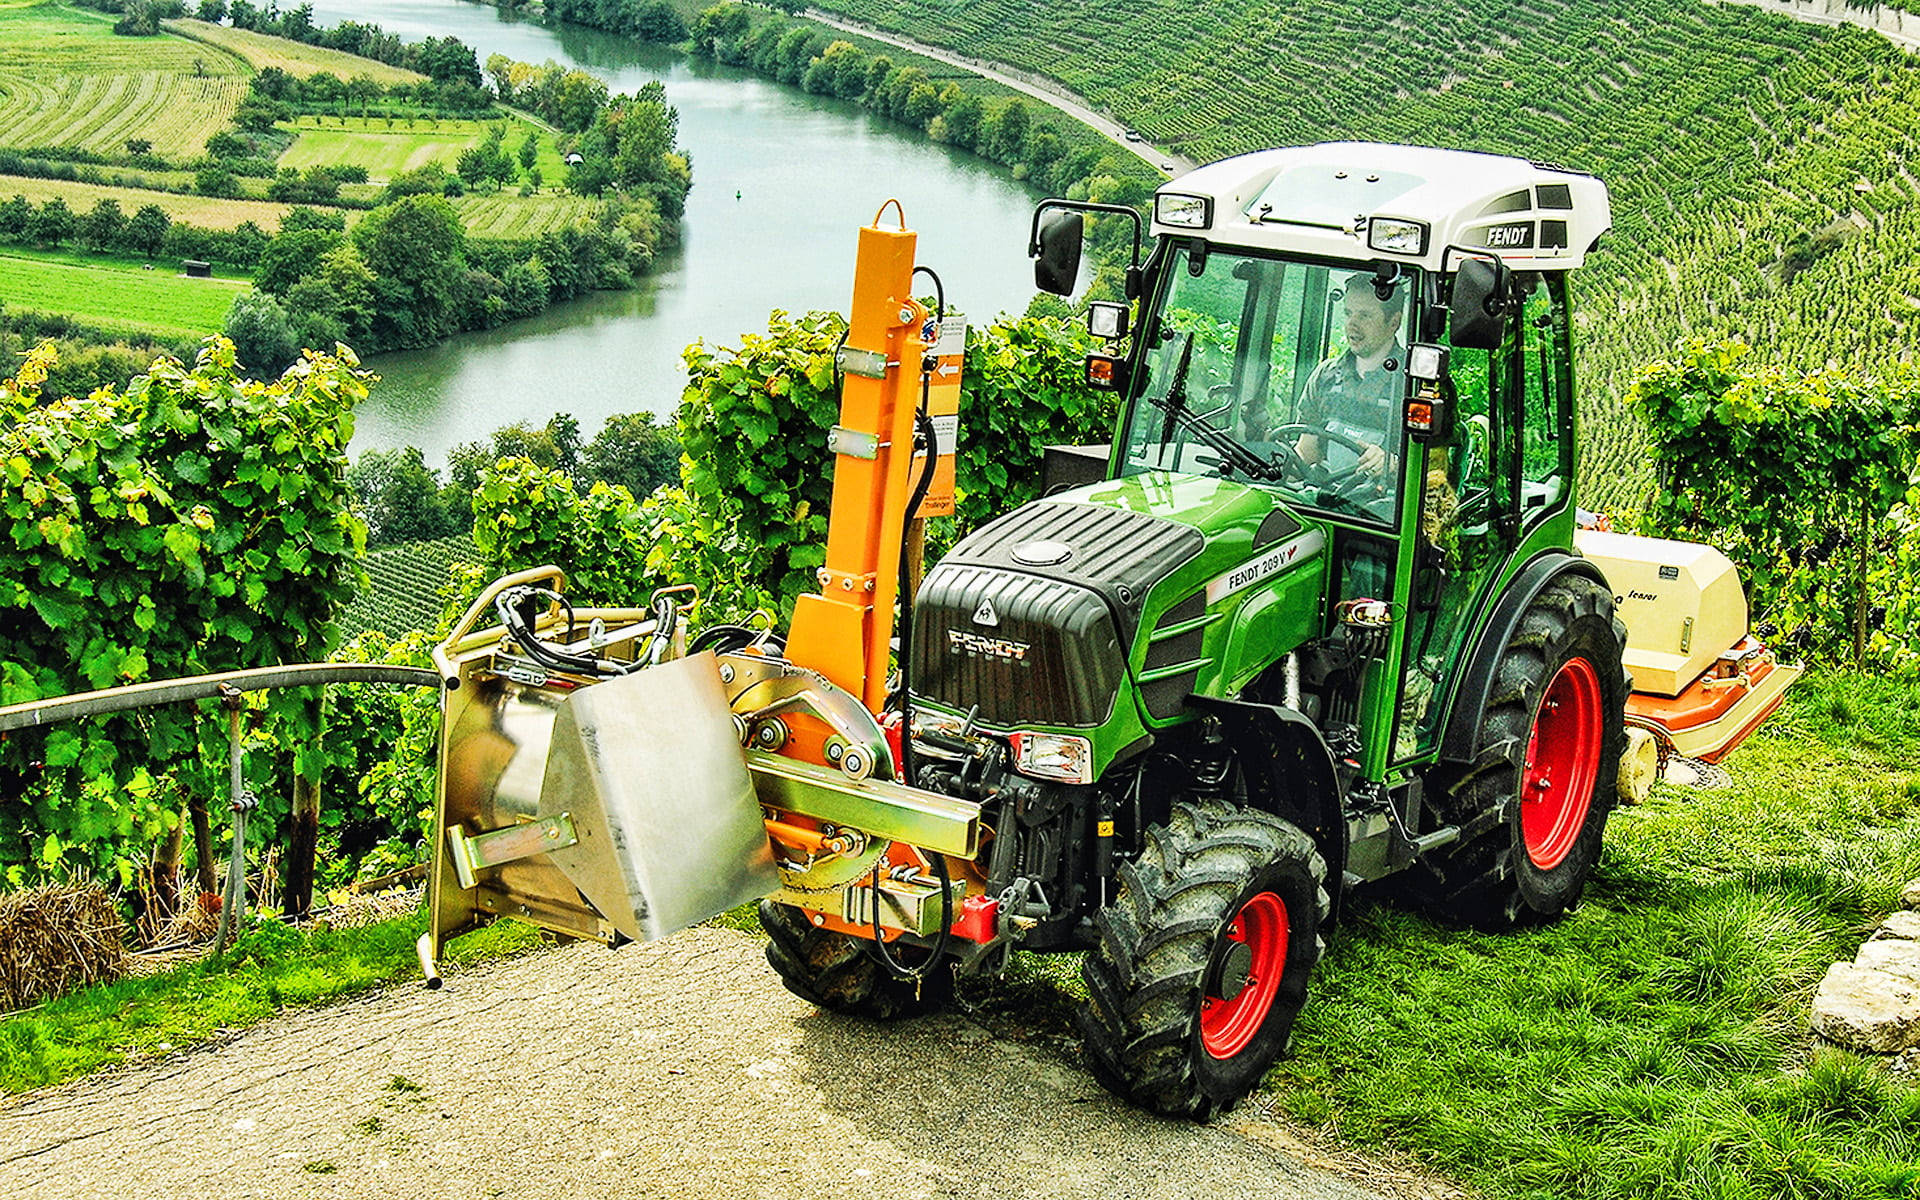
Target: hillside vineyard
x=1760 y=167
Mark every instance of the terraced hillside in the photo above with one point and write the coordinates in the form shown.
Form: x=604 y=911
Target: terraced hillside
x=67 y=80
x=1761 y=168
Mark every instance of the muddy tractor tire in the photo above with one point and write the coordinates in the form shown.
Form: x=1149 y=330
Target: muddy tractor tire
x=1203 y=959
x=841 y=973
x=1533 y=806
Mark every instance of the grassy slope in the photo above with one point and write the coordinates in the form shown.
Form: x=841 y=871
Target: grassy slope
x=1724 y=133
x=121 y=297
x=67 y=80
x=295 y=58
x=1655 y=1044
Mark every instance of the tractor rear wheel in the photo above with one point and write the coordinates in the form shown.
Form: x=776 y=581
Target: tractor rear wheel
x=840 y=973
x=1203 y=959
x=1533 y=806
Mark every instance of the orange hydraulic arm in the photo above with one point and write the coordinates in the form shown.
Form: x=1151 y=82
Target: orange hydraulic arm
x=844 y=631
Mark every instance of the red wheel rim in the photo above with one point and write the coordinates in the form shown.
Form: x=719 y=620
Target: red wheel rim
x=1563 y=759
x=1227 y=1025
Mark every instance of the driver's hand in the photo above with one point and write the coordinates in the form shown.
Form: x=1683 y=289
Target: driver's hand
x=1372 y=460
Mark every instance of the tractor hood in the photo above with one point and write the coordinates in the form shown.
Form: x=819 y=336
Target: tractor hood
x=1034 y=617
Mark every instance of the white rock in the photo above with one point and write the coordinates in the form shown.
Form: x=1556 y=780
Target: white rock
x=1900 y=925
x=1910 y=894
x=1905 y=1063
x=1867 y=1010
x=1895 y=956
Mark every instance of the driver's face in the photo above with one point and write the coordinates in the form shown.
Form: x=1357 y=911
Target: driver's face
x=1370 y=325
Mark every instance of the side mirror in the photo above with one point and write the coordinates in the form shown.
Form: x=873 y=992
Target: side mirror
x=1056 y=252
x=1477 y=317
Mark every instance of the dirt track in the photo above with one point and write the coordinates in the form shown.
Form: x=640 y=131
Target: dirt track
x=680 y=1069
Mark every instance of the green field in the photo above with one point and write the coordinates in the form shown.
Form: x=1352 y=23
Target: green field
x=67 y=80
x=117 y=296
x=382 y=150
x=506 y=215
x=388 y=146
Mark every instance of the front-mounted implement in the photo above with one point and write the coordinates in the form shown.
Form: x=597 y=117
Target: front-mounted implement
x=606 y=776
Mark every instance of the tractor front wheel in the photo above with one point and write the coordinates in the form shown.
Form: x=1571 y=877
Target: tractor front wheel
x=1203 y=959
x=840 y=973
x=1534 y=805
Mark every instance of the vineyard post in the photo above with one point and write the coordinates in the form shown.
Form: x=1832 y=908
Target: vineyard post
x=303 y=838
x=1860 y=589
x=202 y=843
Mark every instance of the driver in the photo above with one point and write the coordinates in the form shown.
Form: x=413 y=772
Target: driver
x=1358 y=394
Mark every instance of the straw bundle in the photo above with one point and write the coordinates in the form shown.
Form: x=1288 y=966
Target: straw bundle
x=55 y=938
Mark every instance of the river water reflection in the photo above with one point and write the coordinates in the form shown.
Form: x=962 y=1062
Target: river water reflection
x=806 y=170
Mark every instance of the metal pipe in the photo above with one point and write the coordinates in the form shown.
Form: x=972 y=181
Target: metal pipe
x=205 y=687
x=423 y=950
x=236 y=890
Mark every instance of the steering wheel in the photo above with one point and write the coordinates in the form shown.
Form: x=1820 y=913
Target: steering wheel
x=1344 y=482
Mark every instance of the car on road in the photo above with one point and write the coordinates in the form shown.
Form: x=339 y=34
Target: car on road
x=1133 y=135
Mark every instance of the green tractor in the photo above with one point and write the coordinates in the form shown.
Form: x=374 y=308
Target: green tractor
x=1312 y=620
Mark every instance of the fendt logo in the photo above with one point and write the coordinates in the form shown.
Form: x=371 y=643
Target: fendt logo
x=974 y=646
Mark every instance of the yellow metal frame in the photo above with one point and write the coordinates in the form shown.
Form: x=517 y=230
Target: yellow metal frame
x=843 y=631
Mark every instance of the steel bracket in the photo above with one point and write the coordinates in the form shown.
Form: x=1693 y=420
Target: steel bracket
x=491 y=849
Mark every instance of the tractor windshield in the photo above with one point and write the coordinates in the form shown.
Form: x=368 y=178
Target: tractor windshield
x=1286 y=372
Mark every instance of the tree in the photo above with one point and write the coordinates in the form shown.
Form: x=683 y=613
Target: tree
x=964 y=118
x=262 y=338
x=104 y=226
x=291 y=257
x=399 y=497
x=577 y=100
x=212 y=11
x=1009 y=139
x=139 y=147
x=530 y=150
x=16 y=220
x=216 y=181
x=416 y=249
x=147 y=229
x=55 y=223
x=633 y=452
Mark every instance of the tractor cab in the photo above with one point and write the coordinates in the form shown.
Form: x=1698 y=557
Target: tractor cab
x=1377 y=336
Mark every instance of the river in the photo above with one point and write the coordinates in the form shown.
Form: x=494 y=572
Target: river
x=807 y=172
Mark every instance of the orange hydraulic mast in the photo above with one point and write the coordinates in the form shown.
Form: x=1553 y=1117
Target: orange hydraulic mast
x=844 y=631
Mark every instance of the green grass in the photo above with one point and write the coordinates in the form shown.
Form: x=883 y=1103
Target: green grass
x=388 y=147
x=1655 y=1043
x=384 y=151
x=67 y=80
x=270 y=968
x=116 y=295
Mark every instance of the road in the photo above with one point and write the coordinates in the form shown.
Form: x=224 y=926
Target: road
x=1039 y=87
x=676 y=1069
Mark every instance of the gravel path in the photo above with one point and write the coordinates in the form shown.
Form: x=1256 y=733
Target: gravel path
x=676 y=1069
x=1038 y=86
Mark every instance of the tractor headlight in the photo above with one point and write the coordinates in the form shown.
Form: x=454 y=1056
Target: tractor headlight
x=1186 y=212
x=1058 y=756
x=1395 y=236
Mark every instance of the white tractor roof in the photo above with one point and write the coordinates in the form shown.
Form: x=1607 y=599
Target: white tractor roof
x=1319 y=200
